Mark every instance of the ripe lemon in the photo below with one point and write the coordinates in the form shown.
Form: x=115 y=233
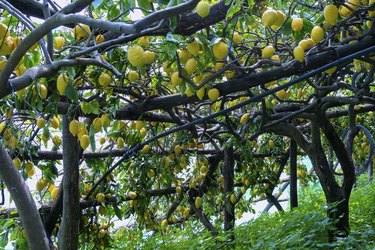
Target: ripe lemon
x=97 y=124
x=305 y=44
x=43 y=91
x=175 y=79
x=102 y=140
x=297 y=24
x=270 y=144
x=100 y=197
x=220 y=50
x=268 y=51
x=81 y=31
x=203 y=8
x=3 y=31
x=136 y=56
x=276 y=58
x=213 y=94
x=56 y=140
x=198 y=202
x=200 y=93
x=59 y=42
x=281 y=94
x=145 y=149
x=317 y=34
x=99 y=39
x=143 y=41
x=232 y=199
x=191 y=66
x=133 y=76
x=73 y=127
x=55 y=122
x=269 y=17
x=299 y=53
x=279 y=19
x=331 y=14
x=6 y=46
x=353 y=4
x=245 y=118
x=17 y=163
x=62 y=83
x=184 y=55
x=104 y=79
x=237 y=37
x=149 y=57
x=54 y=193
x=84 y=141
x=40 y=123
x=105 y=120
x=164 y=223
x=177 y=150
x=132 y=195
x=193 y=48
x=120 y=142
x=331 y=70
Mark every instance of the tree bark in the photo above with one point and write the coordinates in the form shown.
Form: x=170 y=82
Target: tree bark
x=228 y=173
x=71 y=208
x=31 y=221
x=293 y=175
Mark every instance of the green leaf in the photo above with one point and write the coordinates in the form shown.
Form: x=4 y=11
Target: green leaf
x=170 y=38
x=234 y=8
x=144 y=4
x=92 y=137
x=72 y=93
x=96 y=3
x=173 y=23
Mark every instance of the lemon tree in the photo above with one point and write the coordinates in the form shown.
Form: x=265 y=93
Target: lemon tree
x=170 y=116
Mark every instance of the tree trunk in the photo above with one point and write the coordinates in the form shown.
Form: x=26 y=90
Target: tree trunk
x=293 y=175
x=31 y=221
x=228 y=173
x=71 y=210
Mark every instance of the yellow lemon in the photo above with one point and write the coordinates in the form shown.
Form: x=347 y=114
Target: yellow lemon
x=55 y=122
x=81 y=31
x=73 y=127
x=100 y=197
x=54 y=193
x=120 y=142
x=299 y=53
x=62 y=83
x=245 y=118
x=297 y=24
x=146 y=148
x=232 y=199
x=133 y=76
x=104 y=79
x=149 y=56
x=213 y=94
x=132 y=195
x=143 y=41
x=191 y=66
x=97 y=124
x=220 y=50
x=84 y=141
x=269 y=17
x=193 y=48
x=99 y=39
x=59 y=42
x=280 y=18
x=268 y=51
x=198 y=202
x=136 y=56
x=203 y=8
x=331 y=14
x=40 y=123
x=200 y=93
x=175 y=79
x=317 y=34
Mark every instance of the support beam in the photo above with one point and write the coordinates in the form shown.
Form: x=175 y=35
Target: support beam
x=293 y=175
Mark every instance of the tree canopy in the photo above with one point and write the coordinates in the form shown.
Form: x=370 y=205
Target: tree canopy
x=163 y=112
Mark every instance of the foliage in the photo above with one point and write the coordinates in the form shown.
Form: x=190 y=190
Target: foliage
x=302 y=228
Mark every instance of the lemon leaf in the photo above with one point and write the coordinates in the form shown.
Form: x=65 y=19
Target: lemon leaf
x=71 y=93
